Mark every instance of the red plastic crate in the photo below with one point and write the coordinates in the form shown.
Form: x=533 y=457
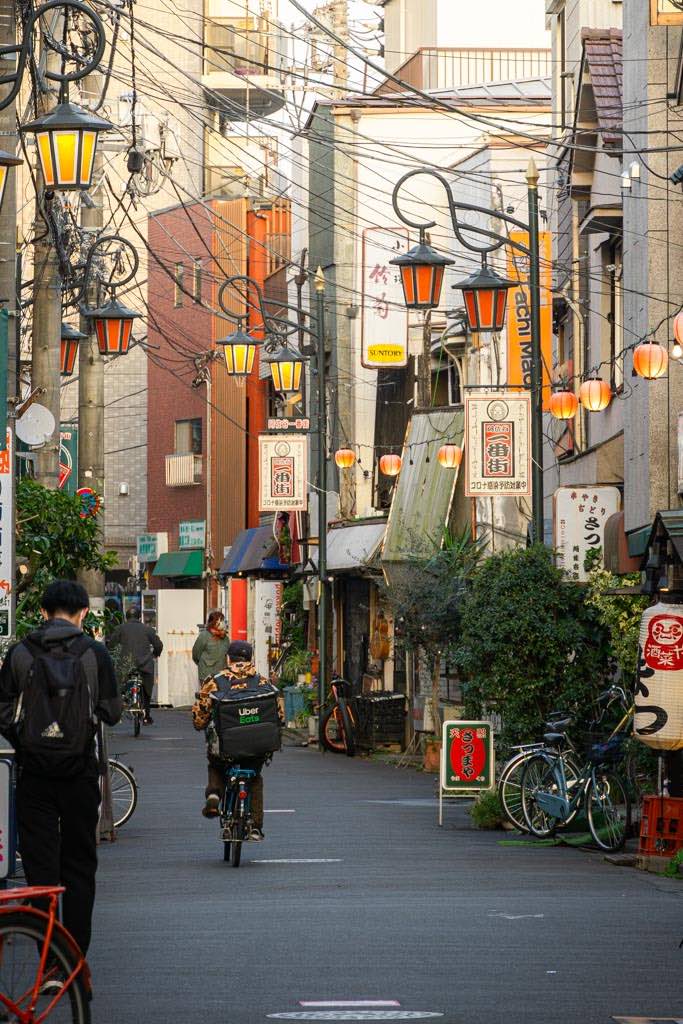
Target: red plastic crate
x=661 y=826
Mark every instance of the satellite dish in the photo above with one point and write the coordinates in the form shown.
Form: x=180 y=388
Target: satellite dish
x=36 y=426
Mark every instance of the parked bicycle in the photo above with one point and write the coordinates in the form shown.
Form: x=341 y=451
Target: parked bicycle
x=43 y=973
x=124 y=792
x=131 y=697
x=235 y=812
x=339 y=722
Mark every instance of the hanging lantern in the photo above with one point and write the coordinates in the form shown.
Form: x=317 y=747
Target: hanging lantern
x=449 y=456
x=285 y=370
x=678 y=328
x=6 y=161
x=658 y=719
x=650 y=360
x=345 y=458
x=66 y=140
x=595 y=394
x=113 y=325
x=485 y=295
x=239 y=349
x=422 y=270
x=563 y=405
x=677 y=350
x=69 y=349
x=390 y=465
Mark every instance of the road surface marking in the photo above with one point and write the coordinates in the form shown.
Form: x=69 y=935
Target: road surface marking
x=349 y=1002
x=355 y=1015
x=513 y=917
x=300 y=860
x=279 y=810
x=648 y=1020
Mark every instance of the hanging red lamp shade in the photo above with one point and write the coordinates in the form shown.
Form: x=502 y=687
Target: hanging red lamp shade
x=70 y=340
x=563 y=405
x=345 y=458
x=113 y=325
x=650 y=360
x=390 y=465
x=595 y=394
x=449 y=456
x=485 y=296
x=422 y=270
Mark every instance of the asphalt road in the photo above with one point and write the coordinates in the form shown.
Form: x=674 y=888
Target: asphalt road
x=356 y=894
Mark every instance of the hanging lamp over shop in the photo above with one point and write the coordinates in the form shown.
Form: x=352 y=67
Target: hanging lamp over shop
x=422 y=269
x=285 y=370
x=113 y=326
x=485 y=295
x=70 y=340
x=239 y=349
x=66 y=140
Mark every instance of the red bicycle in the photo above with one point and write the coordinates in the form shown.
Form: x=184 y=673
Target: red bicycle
x=43 y=973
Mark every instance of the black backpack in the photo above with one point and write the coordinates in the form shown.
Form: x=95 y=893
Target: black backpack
x=55 y=711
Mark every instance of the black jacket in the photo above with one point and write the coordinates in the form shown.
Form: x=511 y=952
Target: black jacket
x=16 y=666
x=139 y=642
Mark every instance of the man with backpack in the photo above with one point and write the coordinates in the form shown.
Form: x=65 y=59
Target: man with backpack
x=141 y=644
x=56 y=687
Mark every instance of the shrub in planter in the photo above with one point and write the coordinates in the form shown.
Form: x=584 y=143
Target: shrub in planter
x=486 y=811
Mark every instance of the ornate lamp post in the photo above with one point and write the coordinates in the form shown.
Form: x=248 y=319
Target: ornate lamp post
x=112 y=322
x=484 y=294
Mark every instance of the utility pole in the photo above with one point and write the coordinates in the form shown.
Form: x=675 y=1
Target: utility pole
x=91 y=364
x=536 y=357
x=425 y=363
x=323 y=584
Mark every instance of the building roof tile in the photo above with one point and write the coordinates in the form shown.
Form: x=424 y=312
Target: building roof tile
x=603 y=60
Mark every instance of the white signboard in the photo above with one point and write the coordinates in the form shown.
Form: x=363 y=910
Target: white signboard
x=151 y=545
x=497 y=444
x=385 y=317
x=283 y=472
x=6 y=538
x=192 y=533
x=580 y=514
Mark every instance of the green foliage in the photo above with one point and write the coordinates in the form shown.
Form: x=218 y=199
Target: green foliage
x=486 y=811
x=528 y=644
x=293 y=617
x=619 y=614
x=674 y=868
x=54 y=543
x=297 y=663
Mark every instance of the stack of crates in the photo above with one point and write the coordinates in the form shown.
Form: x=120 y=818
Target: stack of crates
x=661 y=827
x=381 y=718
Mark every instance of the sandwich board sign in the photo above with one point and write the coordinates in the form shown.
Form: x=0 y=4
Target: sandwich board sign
x=467 y=760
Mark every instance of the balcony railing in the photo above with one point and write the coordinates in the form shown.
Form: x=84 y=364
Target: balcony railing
x=448 y=68
x=184 y=470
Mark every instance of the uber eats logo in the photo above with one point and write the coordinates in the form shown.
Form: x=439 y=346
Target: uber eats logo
x=249 y=716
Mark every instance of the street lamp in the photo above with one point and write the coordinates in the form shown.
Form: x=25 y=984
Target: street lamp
x=111 y=321
x=422 y=269
x=484 y=293
x=239 y=349
x=70 y=338
x=6 y=161
x=113 y=325
x=66 y=139
x=285 y=370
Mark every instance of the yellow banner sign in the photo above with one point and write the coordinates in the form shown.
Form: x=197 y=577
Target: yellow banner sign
x=519 y=314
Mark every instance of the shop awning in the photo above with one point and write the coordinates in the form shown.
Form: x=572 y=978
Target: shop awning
x=422 y=500
x=180 y=563
x=254 y=551
x=353 y=547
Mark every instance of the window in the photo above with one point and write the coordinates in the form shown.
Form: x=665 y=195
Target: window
x=197 y=281
x=188 y=437
x=179 y=284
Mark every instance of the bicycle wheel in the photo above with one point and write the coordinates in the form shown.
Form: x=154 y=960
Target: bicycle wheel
x=236 y=846
x=136 y=723
x=333 y=732
x=124 y=792
x=21 y=943
x=510 y=790
x=348 y=729
x=607 y=809
x=538 y=776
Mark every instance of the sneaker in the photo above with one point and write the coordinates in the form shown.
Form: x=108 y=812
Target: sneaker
x=210 y=808
x=256 y=834
x=148 y=720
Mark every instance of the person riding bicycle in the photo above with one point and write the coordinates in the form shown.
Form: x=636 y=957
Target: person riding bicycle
x=141 y=644
x=239 y=674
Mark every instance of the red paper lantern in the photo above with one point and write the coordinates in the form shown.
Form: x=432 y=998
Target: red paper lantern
x=390 y=465
x=449 y=456
x=563 y=405
x=678 y=328
x=650 y=360
x=345 y=458
x=595 y=394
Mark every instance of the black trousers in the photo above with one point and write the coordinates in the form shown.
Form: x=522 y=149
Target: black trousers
x=57 y=825
x=147 y=687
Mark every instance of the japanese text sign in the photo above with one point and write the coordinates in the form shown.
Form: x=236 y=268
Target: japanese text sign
x=658 y=718
x=283 y=472
x=467 y=756
x=151 y=546
x=6 y=537
x=192 y=533
x=519 y=313
x=497 y=430
x=384 y=325
x=580 y=514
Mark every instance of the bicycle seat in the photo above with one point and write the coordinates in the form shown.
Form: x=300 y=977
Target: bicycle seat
x=558 y=725
x=555 y=739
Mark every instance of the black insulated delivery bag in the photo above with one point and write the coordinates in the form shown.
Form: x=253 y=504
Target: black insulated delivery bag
x=247 y=723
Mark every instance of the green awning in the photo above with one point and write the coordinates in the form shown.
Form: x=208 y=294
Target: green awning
x=180 y=563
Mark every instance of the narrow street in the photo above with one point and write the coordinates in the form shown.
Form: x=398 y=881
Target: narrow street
x=356 y=894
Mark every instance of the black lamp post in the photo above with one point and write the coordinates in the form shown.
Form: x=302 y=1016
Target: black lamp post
x=111 y=321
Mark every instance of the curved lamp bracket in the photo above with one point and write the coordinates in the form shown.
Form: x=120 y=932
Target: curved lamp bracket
x=114 y=261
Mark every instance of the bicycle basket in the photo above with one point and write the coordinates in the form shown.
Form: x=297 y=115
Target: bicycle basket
x=605 y=751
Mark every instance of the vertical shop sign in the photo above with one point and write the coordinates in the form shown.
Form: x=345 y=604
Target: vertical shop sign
x=498 y=453
x=6 y=537
x=68 y=458
x=467 y=756
x=580 y=514
x=384 y=325
x=283 y=462
x=519 y=314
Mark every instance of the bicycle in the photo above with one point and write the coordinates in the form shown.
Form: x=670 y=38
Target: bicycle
x=338 y=725
x=510 y=779
x=235 y=812
x=124 y=792
x=131 y=696
x=42 y=971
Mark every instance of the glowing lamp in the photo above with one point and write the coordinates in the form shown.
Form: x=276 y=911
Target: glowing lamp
x=678 y=328
x=70 y=339
x=345 y=458
x=285 y=370
x=595 y=394
x=6 y=161
x=66 y=140
x=390 y=465
x=113 y=325
x=485 y=295
x=449 y=456
x=563 y=405
x=422 y=270
x=239 y=349
x=650 y=360
x=677 y=350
